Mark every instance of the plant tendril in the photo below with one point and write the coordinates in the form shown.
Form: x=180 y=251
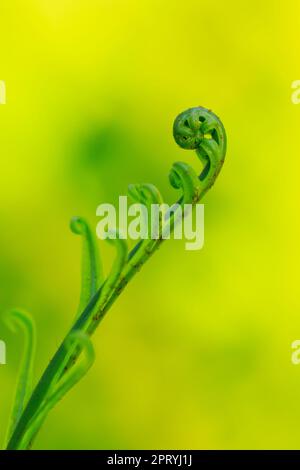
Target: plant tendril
x=196 y=129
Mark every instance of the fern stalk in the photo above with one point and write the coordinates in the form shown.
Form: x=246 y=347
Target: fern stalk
x=196 y=129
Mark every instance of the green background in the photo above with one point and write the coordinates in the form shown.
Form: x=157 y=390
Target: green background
x=197 y=351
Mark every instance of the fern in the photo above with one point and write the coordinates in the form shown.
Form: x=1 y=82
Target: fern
x=197 y=129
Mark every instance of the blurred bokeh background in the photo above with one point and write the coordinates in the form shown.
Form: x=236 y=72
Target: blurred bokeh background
x=196 y=352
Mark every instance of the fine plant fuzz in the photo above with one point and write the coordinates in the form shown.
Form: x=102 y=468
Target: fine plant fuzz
x=196 y=129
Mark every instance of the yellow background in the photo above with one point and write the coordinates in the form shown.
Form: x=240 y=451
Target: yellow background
x=197 y=351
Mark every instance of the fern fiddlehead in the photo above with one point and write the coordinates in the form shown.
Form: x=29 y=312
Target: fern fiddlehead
x=195 y=129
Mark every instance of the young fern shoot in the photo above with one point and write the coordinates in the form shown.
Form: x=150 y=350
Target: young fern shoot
x=196 y=129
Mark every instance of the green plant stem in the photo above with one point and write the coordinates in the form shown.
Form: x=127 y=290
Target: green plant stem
x=62 y=355
x=196 y=128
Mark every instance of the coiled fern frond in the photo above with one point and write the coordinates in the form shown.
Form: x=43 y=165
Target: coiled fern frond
x=196 y=129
